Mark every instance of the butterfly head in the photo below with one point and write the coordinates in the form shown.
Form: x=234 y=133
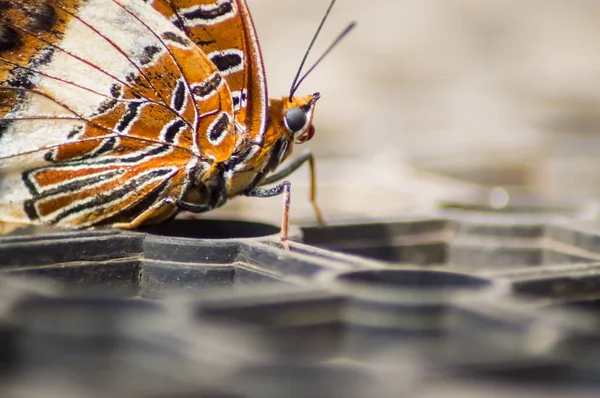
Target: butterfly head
x=298 y=111
x=298 y=116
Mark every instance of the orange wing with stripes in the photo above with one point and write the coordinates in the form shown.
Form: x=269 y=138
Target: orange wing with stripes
x=108 y=113
x=224 y=30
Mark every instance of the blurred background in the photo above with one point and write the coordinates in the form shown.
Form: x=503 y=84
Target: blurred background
x=428 y=99
x=425 y=101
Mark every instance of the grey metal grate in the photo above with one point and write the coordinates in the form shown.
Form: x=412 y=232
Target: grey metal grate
x=469 y=297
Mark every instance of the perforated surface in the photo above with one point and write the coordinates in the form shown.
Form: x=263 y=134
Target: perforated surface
x=471 y=298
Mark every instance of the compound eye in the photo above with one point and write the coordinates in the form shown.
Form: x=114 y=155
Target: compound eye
x=295 y=119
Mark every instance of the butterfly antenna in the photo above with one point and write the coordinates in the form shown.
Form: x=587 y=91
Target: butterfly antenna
x=294 y=85
x=331 y=47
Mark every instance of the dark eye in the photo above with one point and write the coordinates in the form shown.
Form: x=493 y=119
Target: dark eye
x=295 y=119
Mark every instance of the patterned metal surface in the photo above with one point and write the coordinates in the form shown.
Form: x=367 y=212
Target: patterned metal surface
x=474 y=297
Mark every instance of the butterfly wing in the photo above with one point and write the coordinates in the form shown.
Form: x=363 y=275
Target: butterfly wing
x=104 y=106
x=224 y=30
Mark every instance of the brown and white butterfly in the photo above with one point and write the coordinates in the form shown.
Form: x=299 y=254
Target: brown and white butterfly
x=124 y=112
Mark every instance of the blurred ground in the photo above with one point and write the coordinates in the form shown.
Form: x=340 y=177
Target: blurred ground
x=498 y=92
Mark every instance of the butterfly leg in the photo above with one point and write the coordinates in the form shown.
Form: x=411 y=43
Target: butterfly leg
x=215 y=195
x=285 y=189
x=293 y=166
x=192 y=207
x=168 y=202
x=148 y=214
x=169 y=206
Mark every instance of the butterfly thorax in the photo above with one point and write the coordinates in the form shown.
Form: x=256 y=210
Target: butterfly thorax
x=289 y=122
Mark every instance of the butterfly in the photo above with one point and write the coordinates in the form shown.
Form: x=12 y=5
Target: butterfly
x=122 y=113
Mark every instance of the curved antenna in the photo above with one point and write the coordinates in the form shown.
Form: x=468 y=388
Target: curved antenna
x=294 y=86
x=331 y=47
